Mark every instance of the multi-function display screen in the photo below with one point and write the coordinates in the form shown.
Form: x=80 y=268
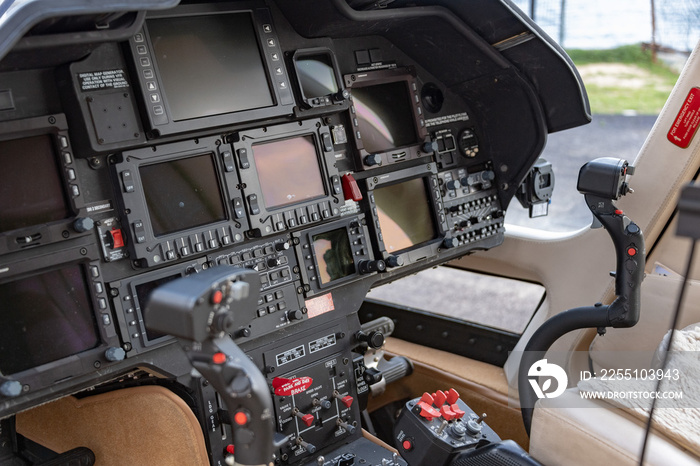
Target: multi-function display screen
x=209 y=65
x=333 y=255
x=182 y=194
x=404 y=213
x=143 y=293
x=384 y=116
x=316 y=75
x=45 y=317
x=288 y=171
x=35 y=199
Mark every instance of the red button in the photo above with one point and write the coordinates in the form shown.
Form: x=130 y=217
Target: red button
x=632 y=251
x=407 y=445
x=218 y=358
x=240 y=418
x=619 y=212
x=217 y=297
x=230 y=449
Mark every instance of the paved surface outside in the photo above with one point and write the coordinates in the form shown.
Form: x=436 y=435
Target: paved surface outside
x=509 y=304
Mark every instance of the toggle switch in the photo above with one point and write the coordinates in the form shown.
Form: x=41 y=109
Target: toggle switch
x=307 y=419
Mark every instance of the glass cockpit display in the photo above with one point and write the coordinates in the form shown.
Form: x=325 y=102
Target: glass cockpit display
x=333 y=255
x=385 y=116
x=288 y=171
x=404 y=214
x=182 y=194
x=45 y=317
x=316 y=75
x=34 y=200
x=209 y=65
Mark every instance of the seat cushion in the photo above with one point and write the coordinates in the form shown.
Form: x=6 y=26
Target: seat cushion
x=135 y=426
x=576 y=431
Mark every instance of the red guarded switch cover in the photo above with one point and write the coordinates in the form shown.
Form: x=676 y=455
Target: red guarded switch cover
x=452 y=396
x=458 y=412
x=439 y=398
x=350 y=188
x=117 y=238
x=427 y=411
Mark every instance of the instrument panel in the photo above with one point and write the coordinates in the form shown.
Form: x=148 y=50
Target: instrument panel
x=219 y=135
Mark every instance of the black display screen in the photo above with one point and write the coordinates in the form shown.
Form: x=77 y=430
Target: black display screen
x=209 y=65
x=44 y=318
x=288 y=171
x=384 y=116
x=316 y=75
x=404 y=214
x=182 y=194
x=31 y=191
x=143 y=294
x=333 y=255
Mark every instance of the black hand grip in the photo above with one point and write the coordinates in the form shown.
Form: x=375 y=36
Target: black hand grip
x=246 y=395
x=630 y=254
x=396 y=368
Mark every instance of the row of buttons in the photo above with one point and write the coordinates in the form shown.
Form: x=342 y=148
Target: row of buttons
x=270 y=303
x=99 y=292
x=278 y=68
x=182 y=247
x=68 y=160
x=149 y=82
x=480 y=234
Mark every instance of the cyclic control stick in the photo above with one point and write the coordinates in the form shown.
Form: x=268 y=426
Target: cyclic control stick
x=601 y=181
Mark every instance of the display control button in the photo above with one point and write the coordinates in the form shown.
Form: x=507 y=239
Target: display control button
x=243 y=161
x=139 y=231
x=228 y=160
x=128 y=181
x=238 y=210
x=253 y=204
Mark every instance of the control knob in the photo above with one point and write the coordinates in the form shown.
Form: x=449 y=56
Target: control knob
x=374 y=339
x=450 y=243
x=373 y=159
x=294 y=315
x=453 y=184
x=83 y=224
x=10 y=388
x=369 y=266
x=394 y=261
x=114 y=354
x=429 y=146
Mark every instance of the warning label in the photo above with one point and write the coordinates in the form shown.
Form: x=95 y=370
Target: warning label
x=320 y=305
x=686 y=123
x=96 y=80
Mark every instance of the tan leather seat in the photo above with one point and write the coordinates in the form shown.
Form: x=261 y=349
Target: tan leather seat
x=575 y=431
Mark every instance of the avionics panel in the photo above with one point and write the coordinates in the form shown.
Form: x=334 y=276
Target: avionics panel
x=408 y=220
x=180 y=199
x=334 y=254
x=289 y=176
x=202 y=66
x=387 y=117
x=41 y=208
x=56 y=323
